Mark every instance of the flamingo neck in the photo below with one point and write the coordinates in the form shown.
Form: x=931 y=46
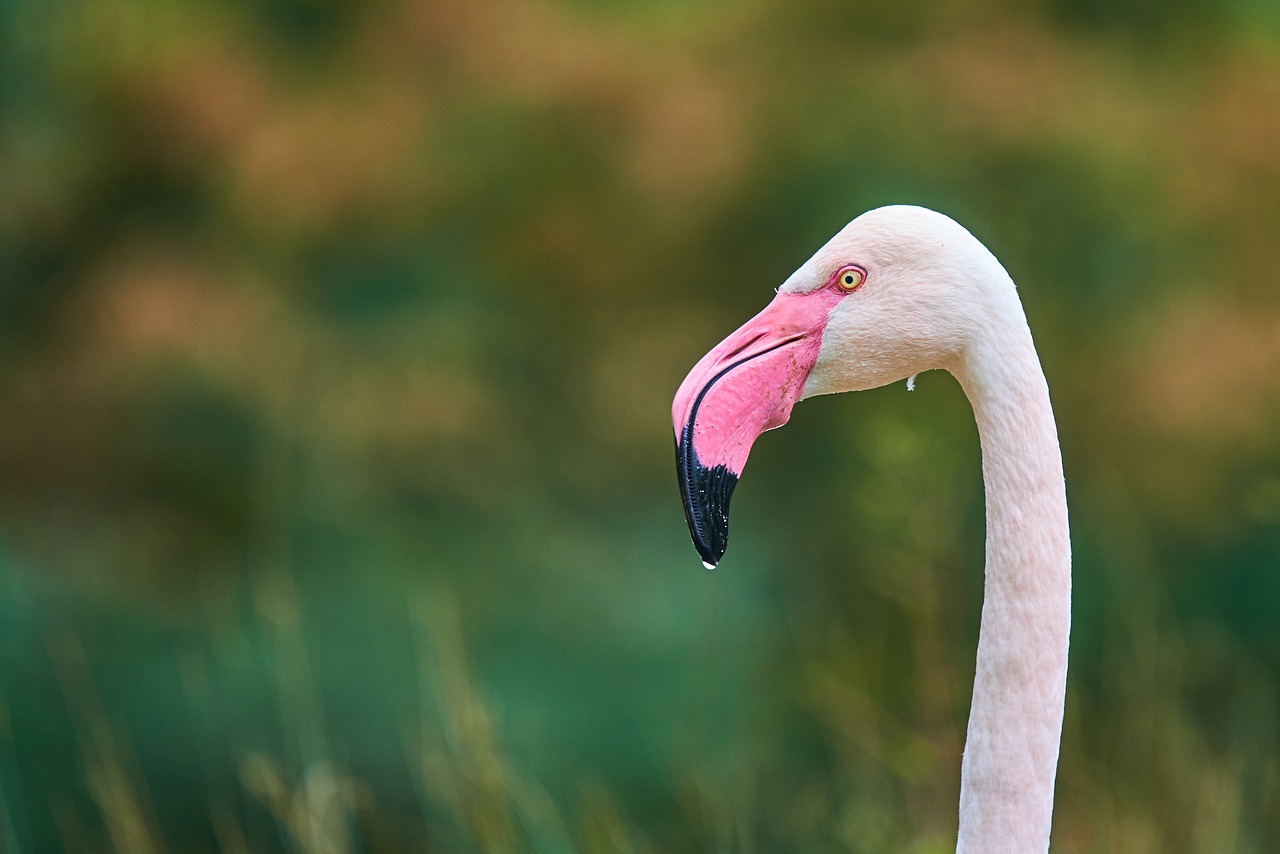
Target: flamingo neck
x=1015 y=721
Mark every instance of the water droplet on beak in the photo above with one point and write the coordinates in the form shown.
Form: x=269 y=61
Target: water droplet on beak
x=708 y=565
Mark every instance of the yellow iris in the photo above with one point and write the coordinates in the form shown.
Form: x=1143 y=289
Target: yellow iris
x=850 y=278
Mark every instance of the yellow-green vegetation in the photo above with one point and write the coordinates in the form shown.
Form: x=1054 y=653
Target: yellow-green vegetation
x=337 y=500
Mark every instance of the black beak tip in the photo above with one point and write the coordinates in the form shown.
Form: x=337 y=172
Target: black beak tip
x=706 y=493
x=710 y=552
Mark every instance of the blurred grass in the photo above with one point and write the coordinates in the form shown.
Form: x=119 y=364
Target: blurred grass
x=336 y=501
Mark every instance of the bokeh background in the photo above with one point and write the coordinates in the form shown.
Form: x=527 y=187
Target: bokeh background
x=337 y=496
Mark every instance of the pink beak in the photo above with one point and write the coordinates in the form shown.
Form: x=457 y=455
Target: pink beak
x=746 y=385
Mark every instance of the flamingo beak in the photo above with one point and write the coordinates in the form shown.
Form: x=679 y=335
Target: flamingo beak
x=746 y=385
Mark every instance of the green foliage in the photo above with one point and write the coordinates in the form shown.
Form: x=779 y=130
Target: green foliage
x=337 y=508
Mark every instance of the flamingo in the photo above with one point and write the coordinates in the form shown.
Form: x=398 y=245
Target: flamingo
x=898 y=291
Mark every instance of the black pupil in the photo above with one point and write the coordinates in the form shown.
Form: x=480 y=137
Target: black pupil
x=848 y=280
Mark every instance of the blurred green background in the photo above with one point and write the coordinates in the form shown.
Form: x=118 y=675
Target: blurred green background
x=337 y=497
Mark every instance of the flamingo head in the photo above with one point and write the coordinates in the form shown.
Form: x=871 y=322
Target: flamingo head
x=898 y=291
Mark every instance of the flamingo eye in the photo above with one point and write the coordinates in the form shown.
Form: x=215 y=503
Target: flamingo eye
x=850 y=278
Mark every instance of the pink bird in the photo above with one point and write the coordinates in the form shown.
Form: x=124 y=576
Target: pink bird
x=898 y=291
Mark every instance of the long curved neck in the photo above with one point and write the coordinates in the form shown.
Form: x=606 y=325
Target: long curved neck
x=1015 y=722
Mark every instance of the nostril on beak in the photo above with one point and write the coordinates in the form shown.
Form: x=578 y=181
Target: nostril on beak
x=744 y=345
